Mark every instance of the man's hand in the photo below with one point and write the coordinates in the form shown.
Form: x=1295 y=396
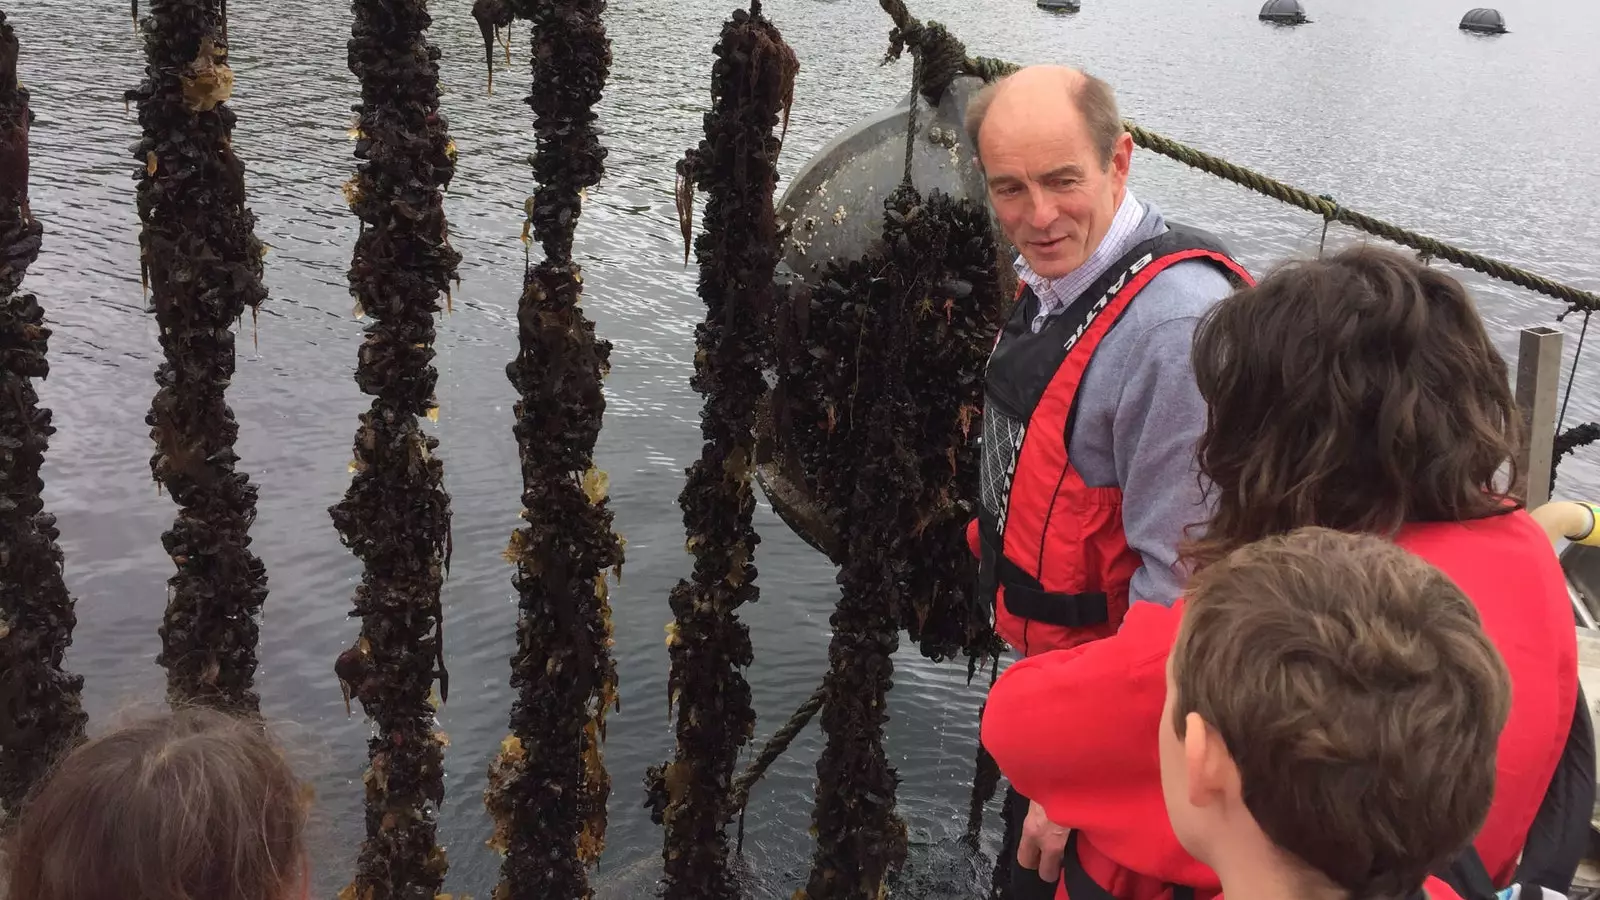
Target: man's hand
x=1042 y=845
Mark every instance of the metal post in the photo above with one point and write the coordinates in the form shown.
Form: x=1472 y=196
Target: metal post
x=1538 y=377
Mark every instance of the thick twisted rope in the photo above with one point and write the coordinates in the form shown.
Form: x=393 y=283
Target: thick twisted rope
x=1333 y=212
x=938 y=50
x=775 y=747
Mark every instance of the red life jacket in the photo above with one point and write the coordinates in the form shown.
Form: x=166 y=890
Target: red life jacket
x=1075 y=731
x=1054 y=560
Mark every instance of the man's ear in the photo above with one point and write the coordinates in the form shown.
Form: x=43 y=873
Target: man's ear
x=1122 y=157
x=1210 y=767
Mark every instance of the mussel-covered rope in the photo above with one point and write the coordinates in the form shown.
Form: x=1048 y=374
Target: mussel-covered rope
x=41 y=713
x=395 y=516
x=548 y=785
x=736 y=162
x=1568 y=441
x=203 y=266
x=860 y=838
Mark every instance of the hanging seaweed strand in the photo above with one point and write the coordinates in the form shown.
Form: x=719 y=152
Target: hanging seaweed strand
x=396 y=515
x=202 y=263
x=41 y=716
x=752 y=84
x=548 y=786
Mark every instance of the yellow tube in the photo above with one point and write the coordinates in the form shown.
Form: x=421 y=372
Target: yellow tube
x=1573 y=520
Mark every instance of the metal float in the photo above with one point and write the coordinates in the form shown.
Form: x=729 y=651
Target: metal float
x=1484 y=21
x=1284 y=12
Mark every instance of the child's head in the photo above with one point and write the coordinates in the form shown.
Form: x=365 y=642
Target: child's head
x=1333 y=708
x=1359 y=392
x=193 y=805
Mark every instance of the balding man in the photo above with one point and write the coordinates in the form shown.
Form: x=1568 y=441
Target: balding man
x=1091 y=411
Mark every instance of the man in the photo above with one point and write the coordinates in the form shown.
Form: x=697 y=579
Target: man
x=1091 y=410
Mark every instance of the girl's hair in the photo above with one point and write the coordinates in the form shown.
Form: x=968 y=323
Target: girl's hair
x=193 y=805
x=1357 y=392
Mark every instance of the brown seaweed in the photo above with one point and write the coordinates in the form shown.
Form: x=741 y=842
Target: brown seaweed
x=492 y=16
x=203 y=264
x=396 y=515
x=41 y=715
x=736 y=163
x=548 y=786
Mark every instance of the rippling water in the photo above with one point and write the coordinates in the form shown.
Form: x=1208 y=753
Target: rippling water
x=1386 y=106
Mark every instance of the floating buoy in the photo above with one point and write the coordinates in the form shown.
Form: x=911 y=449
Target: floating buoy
x=1284 y=12
x=1484 y=21
x=1060 y=5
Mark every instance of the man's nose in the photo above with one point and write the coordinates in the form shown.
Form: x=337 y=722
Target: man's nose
x=1040 y=213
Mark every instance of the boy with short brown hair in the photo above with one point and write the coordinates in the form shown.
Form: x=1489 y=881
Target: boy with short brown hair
x=1333 y=708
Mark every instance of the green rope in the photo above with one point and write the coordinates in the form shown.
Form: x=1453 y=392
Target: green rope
x=1333 y=212
x=936 y=46
x=739 y=797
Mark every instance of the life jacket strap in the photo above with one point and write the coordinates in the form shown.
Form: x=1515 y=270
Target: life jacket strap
x=1026 y=598
x=1082 y=886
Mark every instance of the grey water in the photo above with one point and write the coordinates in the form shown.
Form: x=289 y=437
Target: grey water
x=1493 y=143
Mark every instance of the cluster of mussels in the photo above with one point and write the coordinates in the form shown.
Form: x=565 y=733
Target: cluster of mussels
x=861 y=841
x=548 y=786
x=202 y=263
x=396 y=515
x=825 y=371
x=40 y=713
x=736 y=163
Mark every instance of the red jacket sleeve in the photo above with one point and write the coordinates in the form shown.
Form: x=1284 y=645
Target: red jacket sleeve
x=1075 y=731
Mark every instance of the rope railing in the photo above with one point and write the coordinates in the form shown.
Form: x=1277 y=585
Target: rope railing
x=944 y=57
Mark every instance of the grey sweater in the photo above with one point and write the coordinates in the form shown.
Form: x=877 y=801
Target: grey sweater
x=1139 y=415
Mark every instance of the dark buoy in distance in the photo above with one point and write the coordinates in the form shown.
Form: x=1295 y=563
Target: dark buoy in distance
x=1284 y=12
x=1070 y=6
x=1484 y=21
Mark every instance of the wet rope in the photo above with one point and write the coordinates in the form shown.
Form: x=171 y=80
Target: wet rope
x=933 y=43
x=1331 y=211
x=1572 y=376
x=911 y=124
x=941 y=55
x=1579 y=435
x=775 y=747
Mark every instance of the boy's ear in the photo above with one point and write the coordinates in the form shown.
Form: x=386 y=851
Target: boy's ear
x=1211 y=770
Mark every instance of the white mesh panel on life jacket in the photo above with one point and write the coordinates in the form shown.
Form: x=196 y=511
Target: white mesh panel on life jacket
x=1002 y=444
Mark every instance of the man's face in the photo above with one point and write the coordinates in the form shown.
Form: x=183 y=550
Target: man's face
x=1053 y=195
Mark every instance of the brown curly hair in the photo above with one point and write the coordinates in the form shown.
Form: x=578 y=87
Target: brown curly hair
x=1357 y=392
